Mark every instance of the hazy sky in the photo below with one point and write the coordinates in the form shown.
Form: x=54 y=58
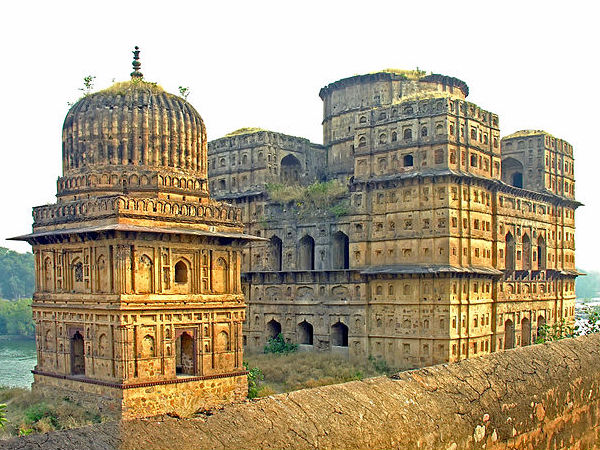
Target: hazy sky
x=256 y=63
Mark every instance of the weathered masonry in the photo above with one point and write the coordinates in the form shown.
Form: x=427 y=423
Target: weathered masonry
x=537 y=397
x=138 y=301
x=439 y=240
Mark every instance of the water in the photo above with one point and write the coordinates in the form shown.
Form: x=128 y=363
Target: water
x=17 y=359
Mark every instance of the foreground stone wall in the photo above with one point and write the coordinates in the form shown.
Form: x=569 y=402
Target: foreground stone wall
x=543 y=396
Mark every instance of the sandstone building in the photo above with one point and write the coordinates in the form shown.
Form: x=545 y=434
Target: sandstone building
x=434 y=239
x=138 y=301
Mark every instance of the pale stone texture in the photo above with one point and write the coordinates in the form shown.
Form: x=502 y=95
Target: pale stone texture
x=435 y=258
x=138 y=303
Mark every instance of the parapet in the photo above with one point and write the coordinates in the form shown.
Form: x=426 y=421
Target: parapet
x=541 y=396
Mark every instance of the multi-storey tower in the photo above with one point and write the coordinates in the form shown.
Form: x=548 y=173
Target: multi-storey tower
x=138 y=302
x=429 y=256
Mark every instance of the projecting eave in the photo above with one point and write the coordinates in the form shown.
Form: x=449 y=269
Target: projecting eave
x=394 y=269
x=136 y=228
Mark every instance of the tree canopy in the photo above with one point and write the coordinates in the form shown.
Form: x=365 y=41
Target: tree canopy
x=16 y=274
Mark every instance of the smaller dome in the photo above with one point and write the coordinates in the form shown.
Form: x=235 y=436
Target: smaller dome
x=133 y=123
x=135 y=136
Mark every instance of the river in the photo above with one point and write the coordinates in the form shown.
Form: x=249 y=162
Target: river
x=17 y=359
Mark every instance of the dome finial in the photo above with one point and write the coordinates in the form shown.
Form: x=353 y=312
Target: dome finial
x=136 y=64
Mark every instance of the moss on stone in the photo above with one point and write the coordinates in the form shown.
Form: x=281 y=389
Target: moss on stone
x=127 y=87
x=245 y=130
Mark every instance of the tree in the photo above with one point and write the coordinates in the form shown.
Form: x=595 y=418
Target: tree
x=16 y=274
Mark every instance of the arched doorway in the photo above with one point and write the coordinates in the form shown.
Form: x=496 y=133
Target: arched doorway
x=525 y=332
x=509 y=259
x=305 y=333
x=290 y=170
x=306 y=253
x=526 y=252
x=340 y=255
x=339 y=335
x=185 y=360
x=273 y=329
x=509 y=334
x=512 y=172
x=541 y=325
x=276 y=247
x=77 y=354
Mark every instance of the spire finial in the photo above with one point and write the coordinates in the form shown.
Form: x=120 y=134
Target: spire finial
x=136 y=64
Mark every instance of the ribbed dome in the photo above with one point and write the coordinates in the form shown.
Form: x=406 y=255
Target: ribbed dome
x=131 y=124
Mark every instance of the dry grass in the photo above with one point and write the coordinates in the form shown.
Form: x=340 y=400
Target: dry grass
x=284 y=373
x=242 y=131
x=317 y=199
x=127 y=87
x=28 y=412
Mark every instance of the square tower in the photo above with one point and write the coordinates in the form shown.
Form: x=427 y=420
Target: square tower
x=138 y=303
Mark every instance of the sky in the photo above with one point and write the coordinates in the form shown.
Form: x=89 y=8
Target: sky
x=262 y=63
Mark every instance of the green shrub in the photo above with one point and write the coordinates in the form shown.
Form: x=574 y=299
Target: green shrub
x=2 y=415
x=278 y=345
x=255 y=376
x=39 y=411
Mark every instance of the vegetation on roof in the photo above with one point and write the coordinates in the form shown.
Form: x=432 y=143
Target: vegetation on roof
x=318 y=199
x=135 y=84
x=406 y=74
x=525 y=133
x=246 y=130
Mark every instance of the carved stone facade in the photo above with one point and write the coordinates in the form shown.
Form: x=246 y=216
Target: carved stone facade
x=138 y=302
x=436 y=256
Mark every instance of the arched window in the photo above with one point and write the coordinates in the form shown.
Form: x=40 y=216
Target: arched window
x=276 y=247
x=290 y=170
x=394 y=136
x=439 y=129
x=423 y=132
x=363 y=119
x=223 y=343
x=181 y=272
x=509 y=262
x=305 y=333
x=339 y=335
x=382 y=138
x=103 y=345
x=541 y=253
x=526 y=252
x=219 y=276
x=340 y=254
x=222 y=184
x=408 y=160
x=509 y=334
x=48 y=275
x=306 y=253
x=407 y=133
x=144 y=275
x=512 y=172
x=273 y=329
x=362 y=141
x=148 y=347
x=525 y=332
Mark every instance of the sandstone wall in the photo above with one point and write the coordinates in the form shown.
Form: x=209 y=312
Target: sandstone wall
x=542 y=396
